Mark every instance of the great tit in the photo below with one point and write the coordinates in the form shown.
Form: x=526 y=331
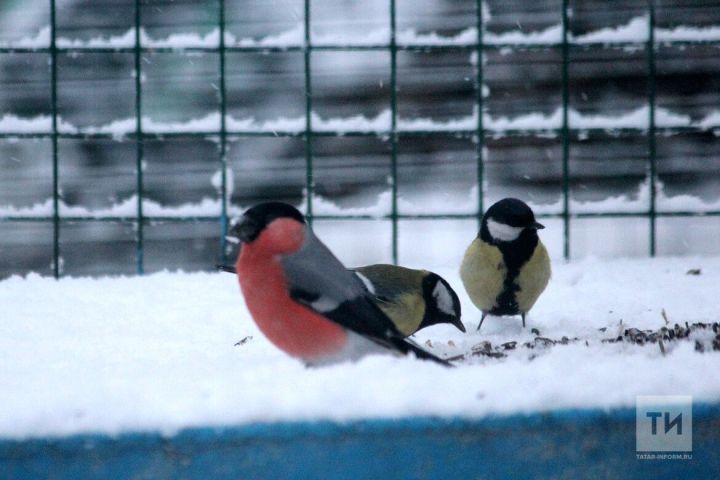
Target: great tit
x=413 y=299
x=507 y=267
x=303 y=299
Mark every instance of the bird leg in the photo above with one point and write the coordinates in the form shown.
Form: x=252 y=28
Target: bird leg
x=484 y=314
x=523 y=319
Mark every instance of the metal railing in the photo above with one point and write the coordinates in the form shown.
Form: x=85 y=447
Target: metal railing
x=479 y=132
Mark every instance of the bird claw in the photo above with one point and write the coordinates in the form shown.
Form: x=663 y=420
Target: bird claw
x=482 y=319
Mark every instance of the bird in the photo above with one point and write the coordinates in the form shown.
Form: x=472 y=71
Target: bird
x=412 y=299
x=506 y=267
x=301 y=296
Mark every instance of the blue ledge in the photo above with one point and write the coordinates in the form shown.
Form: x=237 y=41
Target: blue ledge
x=564 y=444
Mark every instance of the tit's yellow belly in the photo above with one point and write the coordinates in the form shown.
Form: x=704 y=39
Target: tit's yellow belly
x=483 y=273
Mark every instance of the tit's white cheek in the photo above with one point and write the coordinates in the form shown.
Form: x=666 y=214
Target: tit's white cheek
x=503 y=232
x=444 y=299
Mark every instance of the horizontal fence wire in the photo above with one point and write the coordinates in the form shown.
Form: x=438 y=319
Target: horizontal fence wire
x=469 y=132
x=414 y=47
x=479 y=132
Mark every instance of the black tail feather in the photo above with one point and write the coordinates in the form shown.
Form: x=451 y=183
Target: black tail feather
x=407 y=346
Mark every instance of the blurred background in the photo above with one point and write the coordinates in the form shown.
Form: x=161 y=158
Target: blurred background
x=224 y=128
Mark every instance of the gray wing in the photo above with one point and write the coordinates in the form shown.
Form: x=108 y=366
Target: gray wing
x=318 y=280
x=316 y=272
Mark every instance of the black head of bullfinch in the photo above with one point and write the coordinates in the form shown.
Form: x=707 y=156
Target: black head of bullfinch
x=507 y=267
x=413 y=299
x=302 y=298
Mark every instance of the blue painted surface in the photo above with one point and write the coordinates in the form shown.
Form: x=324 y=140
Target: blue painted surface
x=565 y=444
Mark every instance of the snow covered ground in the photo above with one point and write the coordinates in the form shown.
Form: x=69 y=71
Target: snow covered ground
x=175 y=350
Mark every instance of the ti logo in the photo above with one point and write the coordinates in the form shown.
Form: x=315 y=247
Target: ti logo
x=663 y=423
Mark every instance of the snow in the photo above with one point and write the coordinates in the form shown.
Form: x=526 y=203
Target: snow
x=183 y=40
x=39 y=209
x=409 y=203
x=159 y=353
x=126 y=40
x=290 y=38
x=209 y=123
x=549 y=36
x=280 y=124
x=380 y=123
x=381 y=207
x=412 y=37
x=40 y=40
x=10 y=123
x=117 y=128
x=361 y=123
x=688 y=33
x=711 y=120
x=636 y=30
x=374 y=37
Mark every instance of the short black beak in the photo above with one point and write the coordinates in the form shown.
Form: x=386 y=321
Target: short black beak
x=245 y=230
x=538 y=226
x=226 y=268
x=458 y=323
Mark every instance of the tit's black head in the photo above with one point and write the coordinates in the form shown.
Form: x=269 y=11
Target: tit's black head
x=512 y=212
x=442 y=304
x=256 y=218
x=507 y=219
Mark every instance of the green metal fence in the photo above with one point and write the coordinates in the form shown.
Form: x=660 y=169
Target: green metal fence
x=479 y=132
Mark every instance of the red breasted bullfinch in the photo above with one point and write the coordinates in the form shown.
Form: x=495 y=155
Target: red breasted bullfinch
x=302 y=298
x=506 y=268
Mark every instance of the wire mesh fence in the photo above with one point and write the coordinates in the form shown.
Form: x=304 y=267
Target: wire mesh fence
x=477 y=128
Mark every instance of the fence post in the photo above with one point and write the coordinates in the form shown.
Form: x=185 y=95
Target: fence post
x=393 y=131
x=565 y=132
x=223 y=139
x=54 y=112
x=139 y=150
x=309 y=187
x=479 y=102
x=652 y=154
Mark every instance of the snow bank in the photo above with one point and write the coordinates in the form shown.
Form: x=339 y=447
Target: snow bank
x=635 y=30
x=639 y=118
x=159 y=353
x=410 y=202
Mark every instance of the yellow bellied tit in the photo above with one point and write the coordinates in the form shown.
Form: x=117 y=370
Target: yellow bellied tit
x=413 y=299
x=507 y=267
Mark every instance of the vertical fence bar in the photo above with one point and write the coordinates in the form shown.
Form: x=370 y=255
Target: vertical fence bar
x=139 y=150
x=652 y=154
x=479 y=105
x=309 y=187
x=393 y=132
x=54 y=140
x=565 y=132
x=223 y=139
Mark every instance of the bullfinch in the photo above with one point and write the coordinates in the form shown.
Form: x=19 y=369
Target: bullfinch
x=303 y=299
x=506 y=267
x=413 y=299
